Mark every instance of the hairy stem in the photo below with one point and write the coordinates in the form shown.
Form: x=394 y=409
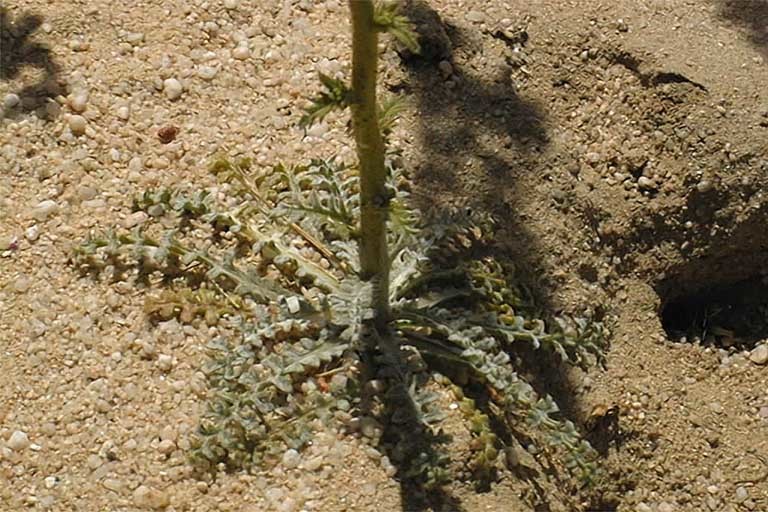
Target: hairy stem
x=374 y=197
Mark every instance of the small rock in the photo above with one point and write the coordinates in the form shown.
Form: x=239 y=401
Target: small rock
x=445 y=68
x=166 y=447
x=207 y=72
x=666 y=507
x=741 y=494
x=313 y=464
x=646 y=183
x=123 y=113
x=18 y=441
x=759 y=354
x=147 y=497
x=45 y=209
x=77 y=124
x=475 y=17
x=135 y=219
x=165 y=362
x=621 y=25
x=79 y=102
x=167 y=133
x=11 y=100
x=704 y=186
x=643 y=507
x=172 y=88
x=231 y=4
x=293 y=304
x=113 y=484
x=32 y=233
x=135 y=38
x=716 y=407
x=94 y=461
x=241 y=53
x=291 y=459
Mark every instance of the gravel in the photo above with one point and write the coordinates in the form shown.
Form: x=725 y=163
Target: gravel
x=759 y=354
x=172 y=88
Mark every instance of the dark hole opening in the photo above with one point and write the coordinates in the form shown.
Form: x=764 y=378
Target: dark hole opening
x=733 y=314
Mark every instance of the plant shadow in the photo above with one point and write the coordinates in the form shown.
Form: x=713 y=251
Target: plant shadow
x=475 y=135
x=17 y=51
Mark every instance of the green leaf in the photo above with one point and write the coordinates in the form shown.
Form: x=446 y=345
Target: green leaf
x=387 y=18
x=334 y=97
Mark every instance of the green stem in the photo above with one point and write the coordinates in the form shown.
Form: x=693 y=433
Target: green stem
x=374 y=198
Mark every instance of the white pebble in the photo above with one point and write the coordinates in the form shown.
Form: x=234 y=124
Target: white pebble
x=207 y=72
x=231 y=4
x=77 y=124
x=241 y=52
x=172 y=88
x=50 y=482
x=135 y=164
x=32 y=233
x=18 y=441
x=164 y=361
x=44 y=209
x=291 y=459
x=123 y=113
x=759 y=354
x=79 y=102
x=11 y=100
x=293 y=304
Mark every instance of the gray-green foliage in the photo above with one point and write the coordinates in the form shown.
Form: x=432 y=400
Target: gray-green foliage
x=287 y=251
x=280 y=251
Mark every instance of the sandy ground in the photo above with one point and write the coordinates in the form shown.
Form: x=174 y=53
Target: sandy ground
x=607 y=138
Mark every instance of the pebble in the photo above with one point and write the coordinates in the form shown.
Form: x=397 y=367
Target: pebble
x=45 y=209
x=759 y=354
x=79 y=102
x=32 y=233
x=741 y=494
x=643 y=507
x=18 y=441
x=165 y=362
x=166 y=447
x=704 y=186
x=666 y=507
x=475 y=17
x=50 y=482
x=148 y=497
x=135 y=219
x=123 y=113
x=135 y=38
x=231 y=4
x=207 y=72
x=445 y=68
x=172 y=88
x=113 y=484
x=291 y=459
x=241 y=53
x=77 y=124
x=646 y=183
x=11 y=100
